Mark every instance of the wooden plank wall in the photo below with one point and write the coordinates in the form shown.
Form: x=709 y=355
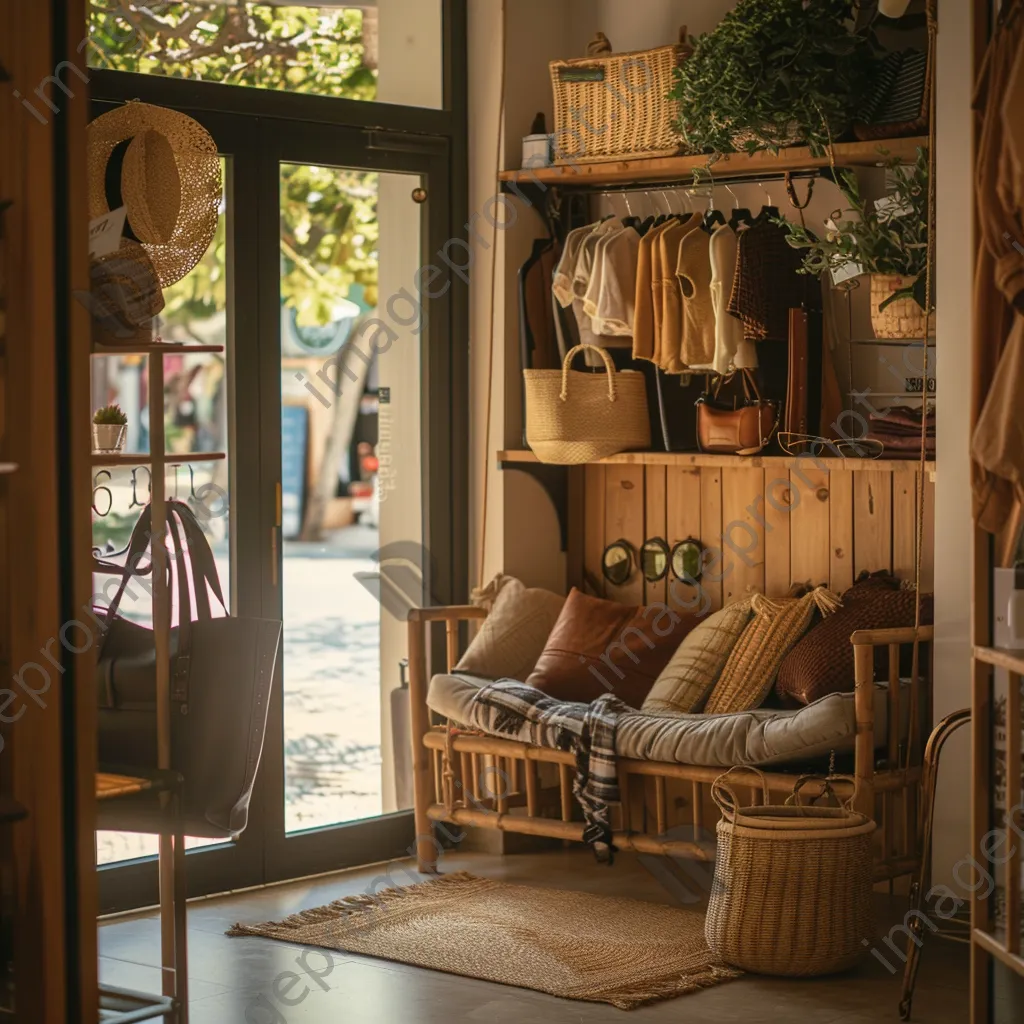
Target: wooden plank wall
x=763 y=526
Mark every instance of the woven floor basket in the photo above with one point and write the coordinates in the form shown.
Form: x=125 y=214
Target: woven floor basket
x=574 y=417
x=792 y=887
x=903 y=318
x=614 y=105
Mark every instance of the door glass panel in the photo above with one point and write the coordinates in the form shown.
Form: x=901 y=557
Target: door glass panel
x=389 y=51
x=350 y=393
x=196 y=417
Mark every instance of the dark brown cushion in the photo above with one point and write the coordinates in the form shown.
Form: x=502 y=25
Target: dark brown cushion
x=822 y=662
x=600 y=647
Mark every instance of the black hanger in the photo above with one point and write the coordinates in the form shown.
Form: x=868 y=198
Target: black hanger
x=766 y=213
x=741 y=217
x=711 y=220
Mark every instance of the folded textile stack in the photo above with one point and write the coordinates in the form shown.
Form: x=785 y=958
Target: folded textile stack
x=899 y=432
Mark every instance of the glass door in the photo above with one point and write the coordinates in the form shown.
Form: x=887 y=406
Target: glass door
x=342 y=457
x=333 y=399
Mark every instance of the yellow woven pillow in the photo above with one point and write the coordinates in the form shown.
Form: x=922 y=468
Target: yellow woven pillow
x=754 y=663
x=686 y=681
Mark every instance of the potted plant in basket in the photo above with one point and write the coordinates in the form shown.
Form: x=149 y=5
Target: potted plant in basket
x=773 y=73
x=109 y=429
x=888 y=240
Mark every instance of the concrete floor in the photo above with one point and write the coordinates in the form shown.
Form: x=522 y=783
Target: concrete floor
x=249 y=980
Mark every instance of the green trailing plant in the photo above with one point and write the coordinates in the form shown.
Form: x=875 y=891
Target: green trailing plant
x=109 y=415
x=893 y=240
x=773 y=69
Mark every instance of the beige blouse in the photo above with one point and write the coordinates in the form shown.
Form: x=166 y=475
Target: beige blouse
x=694 y=272
x=667 y=291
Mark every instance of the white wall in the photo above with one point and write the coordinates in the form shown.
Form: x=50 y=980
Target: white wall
x=411 y=64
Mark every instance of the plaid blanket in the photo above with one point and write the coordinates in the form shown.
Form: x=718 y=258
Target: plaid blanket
x=522 y=712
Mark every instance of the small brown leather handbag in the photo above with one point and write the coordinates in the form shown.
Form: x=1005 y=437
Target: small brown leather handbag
x=737 y=429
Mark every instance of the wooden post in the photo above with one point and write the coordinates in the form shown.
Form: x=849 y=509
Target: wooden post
x=864 y=744
x=426 y=849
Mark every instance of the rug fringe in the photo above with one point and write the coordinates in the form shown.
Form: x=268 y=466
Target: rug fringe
x=659 y=989
x=359 y=904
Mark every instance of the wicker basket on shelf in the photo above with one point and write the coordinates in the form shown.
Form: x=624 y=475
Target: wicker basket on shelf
x=903 y=318
x=792 y=886
x=609 y=106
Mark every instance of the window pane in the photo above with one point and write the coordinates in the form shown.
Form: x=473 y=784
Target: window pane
x=389 y=51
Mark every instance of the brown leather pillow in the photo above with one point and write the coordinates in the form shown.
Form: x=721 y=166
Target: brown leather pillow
x=600 y=647
x=822 y=662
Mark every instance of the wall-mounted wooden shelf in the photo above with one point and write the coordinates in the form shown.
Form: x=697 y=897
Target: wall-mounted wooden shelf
x=513 y=457
x=163 y=347
x=680 y=168
x=145 y=459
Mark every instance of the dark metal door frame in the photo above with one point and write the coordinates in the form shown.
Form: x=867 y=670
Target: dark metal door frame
x=346 y=133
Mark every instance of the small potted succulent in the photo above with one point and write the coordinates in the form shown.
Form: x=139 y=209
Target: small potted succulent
x=109 y=429
x=887 y=239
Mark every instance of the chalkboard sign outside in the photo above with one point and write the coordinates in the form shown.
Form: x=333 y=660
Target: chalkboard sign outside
x=294 y=446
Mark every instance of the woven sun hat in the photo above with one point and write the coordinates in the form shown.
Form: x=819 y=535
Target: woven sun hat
x=164 y=168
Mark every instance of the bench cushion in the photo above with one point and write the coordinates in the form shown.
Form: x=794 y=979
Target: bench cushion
x=763 y=737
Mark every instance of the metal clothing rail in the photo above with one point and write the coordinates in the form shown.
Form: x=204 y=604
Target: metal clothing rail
x=701 y=183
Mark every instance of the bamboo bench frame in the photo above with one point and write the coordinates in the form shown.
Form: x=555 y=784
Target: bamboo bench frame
x=887 y=790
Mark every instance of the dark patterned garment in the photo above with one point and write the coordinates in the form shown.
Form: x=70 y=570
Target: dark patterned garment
x=767 y=284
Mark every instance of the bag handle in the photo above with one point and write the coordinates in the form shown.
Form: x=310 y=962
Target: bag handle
x=204 y=566
x=751 y=392
x=828 y=789
x=725 y=797
x=608 y=365
x=137 y=547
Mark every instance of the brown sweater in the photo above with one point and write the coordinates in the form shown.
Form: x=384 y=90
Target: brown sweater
x=997 y=447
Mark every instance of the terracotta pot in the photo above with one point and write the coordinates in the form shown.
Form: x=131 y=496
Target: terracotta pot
x=109 y=437
x=903 y=318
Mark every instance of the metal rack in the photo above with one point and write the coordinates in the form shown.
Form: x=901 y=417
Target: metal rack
x=121 y=1006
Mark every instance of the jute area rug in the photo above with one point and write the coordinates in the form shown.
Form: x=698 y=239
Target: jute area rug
x=569 y=944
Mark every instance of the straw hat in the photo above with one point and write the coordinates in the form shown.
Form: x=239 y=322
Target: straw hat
x=164 y=167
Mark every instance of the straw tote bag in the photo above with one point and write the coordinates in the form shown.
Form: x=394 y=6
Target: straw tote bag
x=792 y=888
x=574 y=417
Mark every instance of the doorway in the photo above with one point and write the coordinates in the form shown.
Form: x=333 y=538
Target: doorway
x=338 y=383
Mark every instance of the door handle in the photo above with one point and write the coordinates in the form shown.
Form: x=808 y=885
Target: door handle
x=273 y=556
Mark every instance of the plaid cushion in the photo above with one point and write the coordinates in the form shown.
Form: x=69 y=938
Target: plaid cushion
x=690 y=675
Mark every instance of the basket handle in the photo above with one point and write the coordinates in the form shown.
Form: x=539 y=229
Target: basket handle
x=608 y=365
x=727 y=801
x=828 y=785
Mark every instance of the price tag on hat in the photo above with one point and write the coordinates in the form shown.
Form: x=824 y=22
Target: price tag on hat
x=105 y=233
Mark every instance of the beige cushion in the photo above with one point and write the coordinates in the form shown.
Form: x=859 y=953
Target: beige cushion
x=513 y=635
x=760 y=738
x=754 y=661
x=693 y=670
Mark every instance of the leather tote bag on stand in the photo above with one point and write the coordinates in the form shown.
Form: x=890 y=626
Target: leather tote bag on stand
x=221 y=673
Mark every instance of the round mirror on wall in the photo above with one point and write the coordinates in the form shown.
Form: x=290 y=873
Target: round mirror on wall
x=686 y=560
x=654 y=559
x=617 y=562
